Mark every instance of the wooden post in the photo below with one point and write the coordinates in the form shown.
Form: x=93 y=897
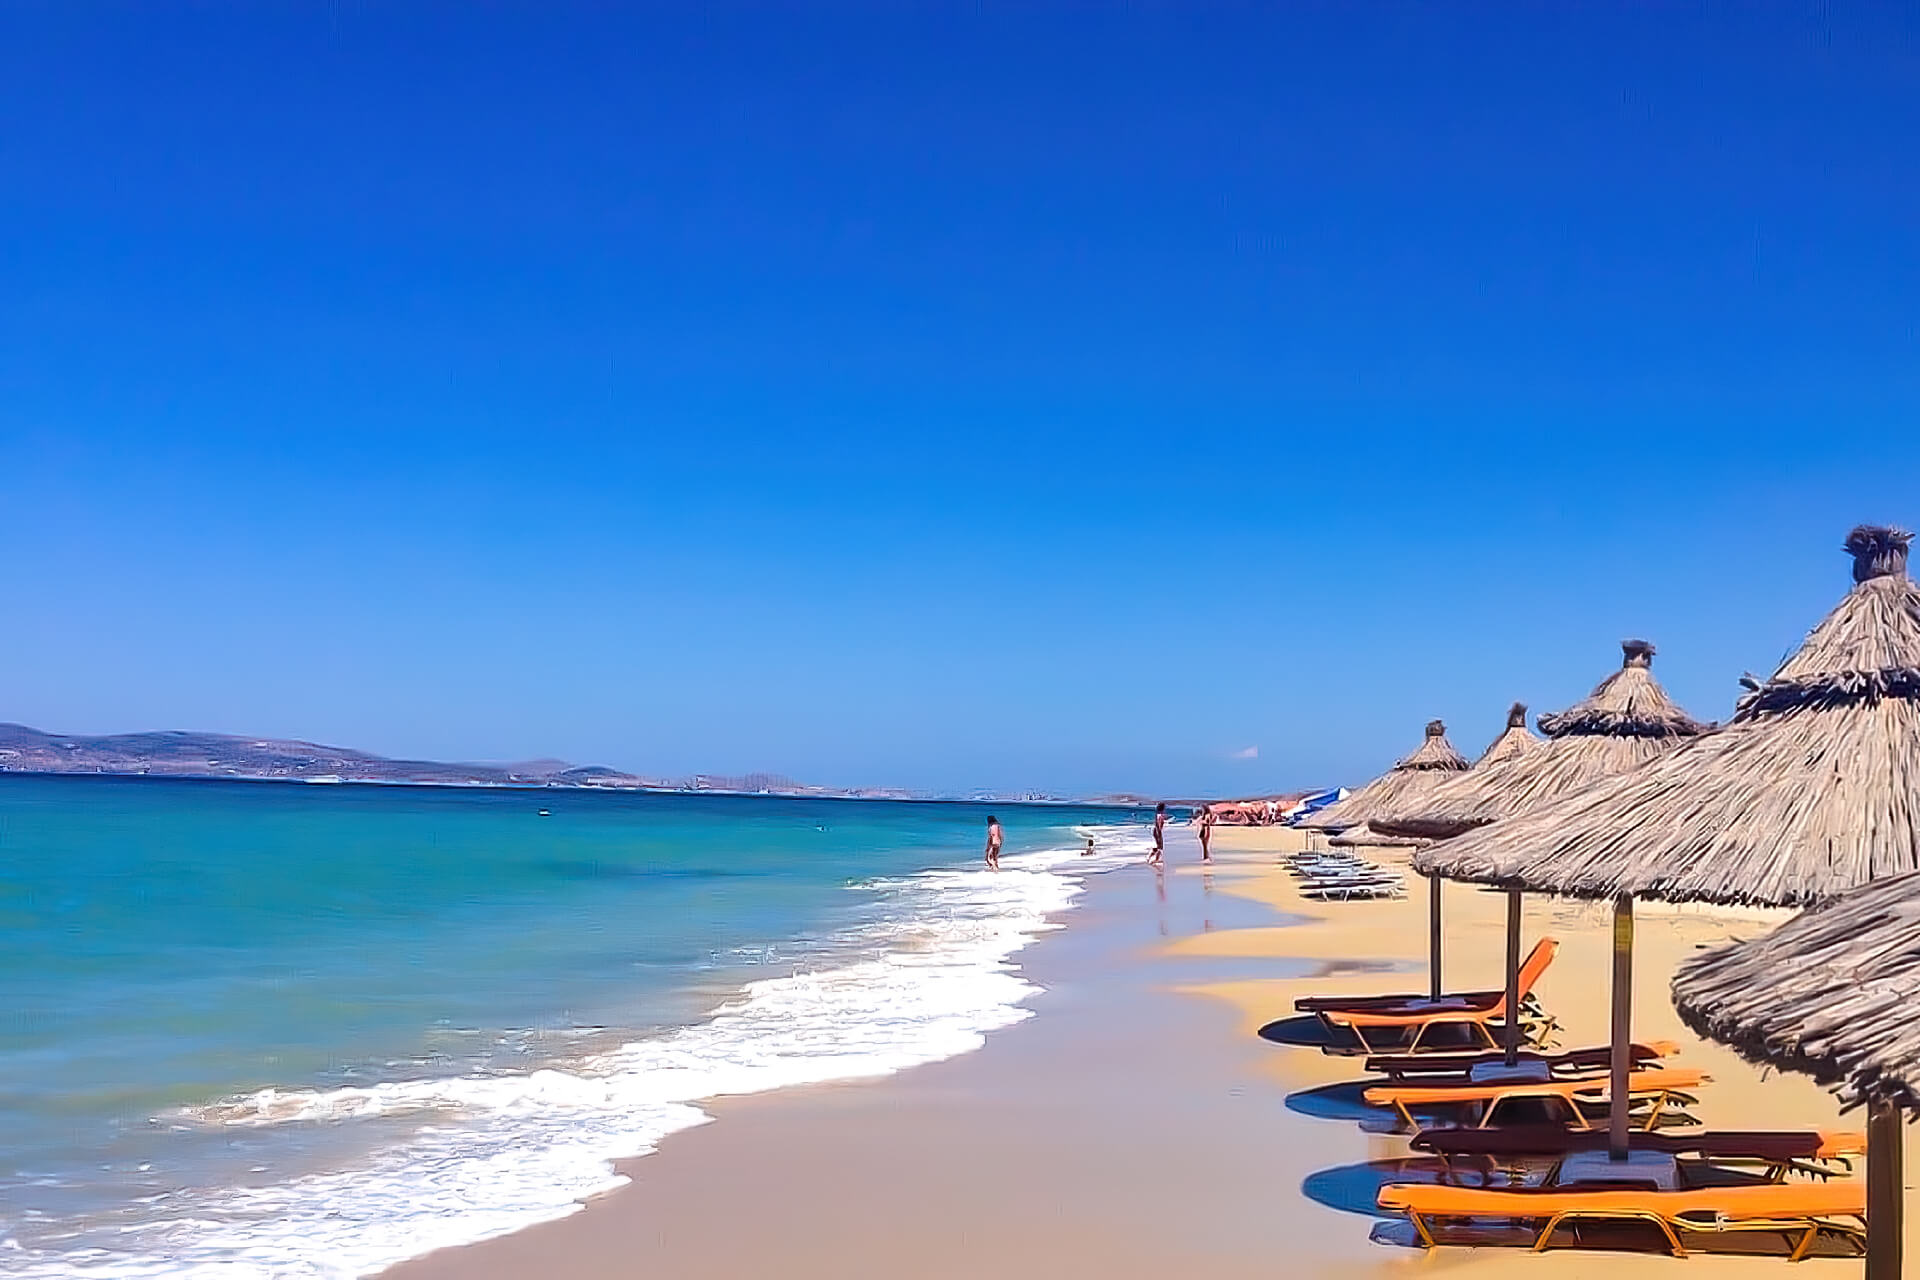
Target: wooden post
x=1513 y=976
x=1885 y=1191
x=1433 y=941
x=1621 y=1057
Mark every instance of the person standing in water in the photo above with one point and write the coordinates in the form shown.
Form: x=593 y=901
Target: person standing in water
x=1159 y=835
x=1206 y=833
x=994 y=838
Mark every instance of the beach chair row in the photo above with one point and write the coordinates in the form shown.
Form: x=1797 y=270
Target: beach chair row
x=1518 y=1148
x=1343 y=877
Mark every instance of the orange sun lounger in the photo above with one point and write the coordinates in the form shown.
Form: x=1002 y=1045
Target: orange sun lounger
x=1377 y=1021
x=1661 y=1087
x=1774 y=1153
x=1426 y=1068
x=1798 y=1211
x=1759 y=1144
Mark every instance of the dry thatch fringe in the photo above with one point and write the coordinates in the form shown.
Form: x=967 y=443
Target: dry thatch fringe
x=1834 y=993
x=1579 y=751
x=1514 y=741
x=1798 y=800
x=1434 y=758
x=1628 y=703
x=1365 y=837
x=1560 y=767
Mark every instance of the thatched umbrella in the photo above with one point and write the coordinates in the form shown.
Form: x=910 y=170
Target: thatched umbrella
x=1435 y=758
x=1514 y=741
x=1812 y=789
x=1626 y=721
x=1365 y=836
x=1834 y=993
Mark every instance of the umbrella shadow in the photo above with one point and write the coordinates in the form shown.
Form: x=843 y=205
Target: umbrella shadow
x=1355 y=1188
x=1305 y=1031
x=1343 y=1101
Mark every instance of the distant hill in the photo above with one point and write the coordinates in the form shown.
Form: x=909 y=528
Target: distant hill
x=174 y=754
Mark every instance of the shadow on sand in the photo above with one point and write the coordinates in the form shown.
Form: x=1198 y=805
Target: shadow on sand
x=1343 y=1101
x=1305 y=1031
x=1355 y=1188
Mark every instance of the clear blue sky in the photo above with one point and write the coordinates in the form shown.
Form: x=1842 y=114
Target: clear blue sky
x=943 y=395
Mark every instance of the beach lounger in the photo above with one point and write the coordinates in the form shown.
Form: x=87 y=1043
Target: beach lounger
x=1403 y=1024
x=1530 y=970
x=1319 y=871
x=1815 y=1153
x=1348 y=877
x=1457 y=1068
x=1799 y=1212
x=1350 y=891
x=1655 y=1093
x=1358 y=877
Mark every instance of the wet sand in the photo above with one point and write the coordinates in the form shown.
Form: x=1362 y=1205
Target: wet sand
x=1139 y=1125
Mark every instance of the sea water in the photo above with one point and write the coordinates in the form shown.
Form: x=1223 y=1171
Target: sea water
x=282 y=1030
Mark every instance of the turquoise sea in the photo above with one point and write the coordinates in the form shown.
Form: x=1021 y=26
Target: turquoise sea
x=270 y=1030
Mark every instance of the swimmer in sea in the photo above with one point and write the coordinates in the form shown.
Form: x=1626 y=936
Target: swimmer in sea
x=994 y=838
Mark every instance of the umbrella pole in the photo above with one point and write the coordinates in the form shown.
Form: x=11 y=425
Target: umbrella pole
x=1433 y=940
x=1621 y=1049
x=1884 y=1191
x=1513 y=976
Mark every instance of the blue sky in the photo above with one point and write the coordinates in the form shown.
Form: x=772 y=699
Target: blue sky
x=942 y=395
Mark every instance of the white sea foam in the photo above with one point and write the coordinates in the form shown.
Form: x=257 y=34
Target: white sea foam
x=486 y=1155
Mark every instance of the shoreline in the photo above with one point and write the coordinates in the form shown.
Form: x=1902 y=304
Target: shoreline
x=1139 y=1123
x=889 y=947
x=1033 y=1154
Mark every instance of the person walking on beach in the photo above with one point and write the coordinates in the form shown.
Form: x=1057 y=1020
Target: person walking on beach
x=1206 y=833
x=1159 y=835
x=993 y=843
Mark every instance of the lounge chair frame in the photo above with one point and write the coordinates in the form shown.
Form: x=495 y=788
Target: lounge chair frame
x=1693 y=1214
x=1774 y=1156
x=1476 y=1012
x=1661 y=1091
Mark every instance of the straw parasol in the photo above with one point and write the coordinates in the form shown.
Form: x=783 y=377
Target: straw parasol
x=1365 y=836
x=1513 y=743
x=1812 y=789
x=1435 y=758
x=1403 y=786
x=1626 y=721
x=1834 y=993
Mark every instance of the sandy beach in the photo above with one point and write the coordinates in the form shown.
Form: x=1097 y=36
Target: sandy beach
x=1138 y=1125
